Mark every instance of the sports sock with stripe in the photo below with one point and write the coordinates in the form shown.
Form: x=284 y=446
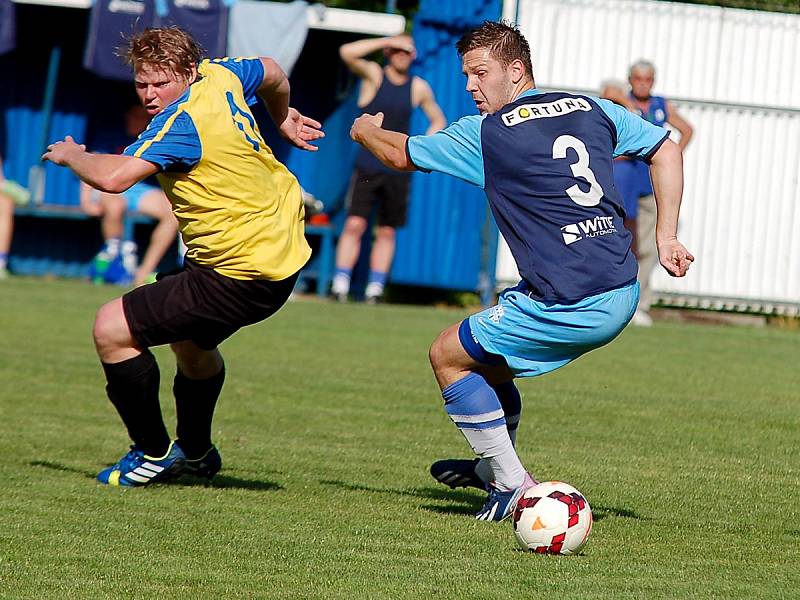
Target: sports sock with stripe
x=133 y=390
x=476 y=410
x=510 y=400
x=195 y=401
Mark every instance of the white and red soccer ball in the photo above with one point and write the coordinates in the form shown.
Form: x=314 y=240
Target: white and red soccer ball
x=552 y=518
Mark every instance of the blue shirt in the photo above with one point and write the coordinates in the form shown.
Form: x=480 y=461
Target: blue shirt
x=545 y=163
x=633 y=178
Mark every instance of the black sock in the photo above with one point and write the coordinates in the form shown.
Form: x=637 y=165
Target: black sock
x=133 y=390
x=195 y=400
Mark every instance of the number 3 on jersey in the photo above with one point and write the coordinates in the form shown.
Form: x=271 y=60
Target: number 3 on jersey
x=579 y=169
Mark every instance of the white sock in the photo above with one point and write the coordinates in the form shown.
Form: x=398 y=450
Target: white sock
x=483 y=469
x=341 y=283
x=497 y=452
x=374 y=290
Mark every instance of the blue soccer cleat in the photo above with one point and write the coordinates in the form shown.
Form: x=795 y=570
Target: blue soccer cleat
x=499 y=504
x=137 y=469
x=117 y=272
x=206 y=466
x=457 y=473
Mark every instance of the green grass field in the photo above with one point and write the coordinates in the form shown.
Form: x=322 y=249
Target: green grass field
x=684 y=438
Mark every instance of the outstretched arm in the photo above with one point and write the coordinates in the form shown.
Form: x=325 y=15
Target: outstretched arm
x=666 y=171
x=274 y=91
x=112 y=173
x=389 y=147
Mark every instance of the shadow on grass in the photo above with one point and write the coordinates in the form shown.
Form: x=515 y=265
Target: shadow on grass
x=462 y=502
x=220 y=481
x=229 y=482
x=458 y=502
x=601 y=512
x=63 y=468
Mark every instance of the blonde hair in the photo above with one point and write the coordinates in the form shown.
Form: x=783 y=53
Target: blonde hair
x=167 y=49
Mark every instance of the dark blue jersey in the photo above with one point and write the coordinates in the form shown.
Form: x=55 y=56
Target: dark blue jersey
x=394 y=101
x=544 y=161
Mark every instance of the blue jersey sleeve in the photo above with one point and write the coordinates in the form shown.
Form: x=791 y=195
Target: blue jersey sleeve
x=635 y=136
x=455 y=150
x=250 y=72
x=170 y=141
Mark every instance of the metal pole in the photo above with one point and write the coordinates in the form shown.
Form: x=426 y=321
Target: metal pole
x=391 y=6
x=36 y=174
x=487 y=279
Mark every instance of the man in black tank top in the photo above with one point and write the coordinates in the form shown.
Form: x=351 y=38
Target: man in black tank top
x=393 y=91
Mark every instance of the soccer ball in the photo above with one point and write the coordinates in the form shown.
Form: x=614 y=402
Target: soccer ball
x=552 y=518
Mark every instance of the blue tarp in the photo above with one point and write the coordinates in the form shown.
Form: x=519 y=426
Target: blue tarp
x=443 y=244
x=108 y=19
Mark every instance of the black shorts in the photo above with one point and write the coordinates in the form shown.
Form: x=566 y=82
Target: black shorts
x=388 y=190
x=198 y=304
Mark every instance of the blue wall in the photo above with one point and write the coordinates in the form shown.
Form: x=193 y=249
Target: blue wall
x=443 y=244
x=447 y=239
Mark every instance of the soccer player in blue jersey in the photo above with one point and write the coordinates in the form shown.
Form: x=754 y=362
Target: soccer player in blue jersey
x=240 y=213
x=544 y=161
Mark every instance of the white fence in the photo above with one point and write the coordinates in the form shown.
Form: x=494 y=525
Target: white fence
x=731 y=73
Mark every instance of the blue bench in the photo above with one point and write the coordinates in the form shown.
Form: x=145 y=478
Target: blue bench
x=50 y=248
x=55 y=252
x=321 y=266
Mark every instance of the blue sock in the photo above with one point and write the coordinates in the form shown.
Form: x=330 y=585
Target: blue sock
x=346 y=272
x=510 y=400
x=378 y=277
x=3 y=259
x=475 y=409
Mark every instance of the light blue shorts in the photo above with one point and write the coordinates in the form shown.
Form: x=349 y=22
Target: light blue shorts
x=534 y=338
x=136 y=192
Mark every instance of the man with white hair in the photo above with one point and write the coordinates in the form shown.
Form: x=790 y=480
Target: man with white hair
x=641 y=216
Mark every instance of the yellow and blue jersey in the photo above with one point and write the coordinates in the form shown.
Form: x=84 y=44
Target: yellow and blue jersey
x=240 y=210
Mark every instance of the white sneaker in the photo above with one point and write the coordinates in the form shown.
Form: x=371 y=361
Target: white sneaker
x=340 y=287
x=641 y=318
x=373 y=293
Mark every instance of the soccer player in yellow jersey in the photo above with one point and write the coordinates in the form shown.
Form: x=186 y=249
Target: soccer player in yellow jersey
x=241 y=215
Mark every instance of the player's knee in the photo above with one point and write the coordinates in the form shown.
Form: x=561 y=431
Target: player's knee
x=437 y=355
x=196 y=363
x=386 y=233
x=355 y=226
x=105 y=327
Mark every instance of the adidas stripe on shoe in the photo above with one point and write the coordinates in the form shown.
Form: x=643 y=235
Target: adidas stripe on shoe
x=138 y=469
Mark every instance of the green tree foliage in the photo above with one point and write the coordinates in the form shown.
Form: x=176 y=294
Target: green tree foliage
x=789 y=6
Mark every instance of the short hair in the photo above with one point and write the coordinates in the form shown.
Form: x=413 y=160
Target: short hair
x=616 y=84
x=642 y=65
x=503 y=40
x=167 y=48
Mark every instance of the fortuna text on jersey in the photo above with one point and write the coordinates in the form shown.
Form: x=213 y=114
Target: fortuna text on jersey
x=526 y=112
